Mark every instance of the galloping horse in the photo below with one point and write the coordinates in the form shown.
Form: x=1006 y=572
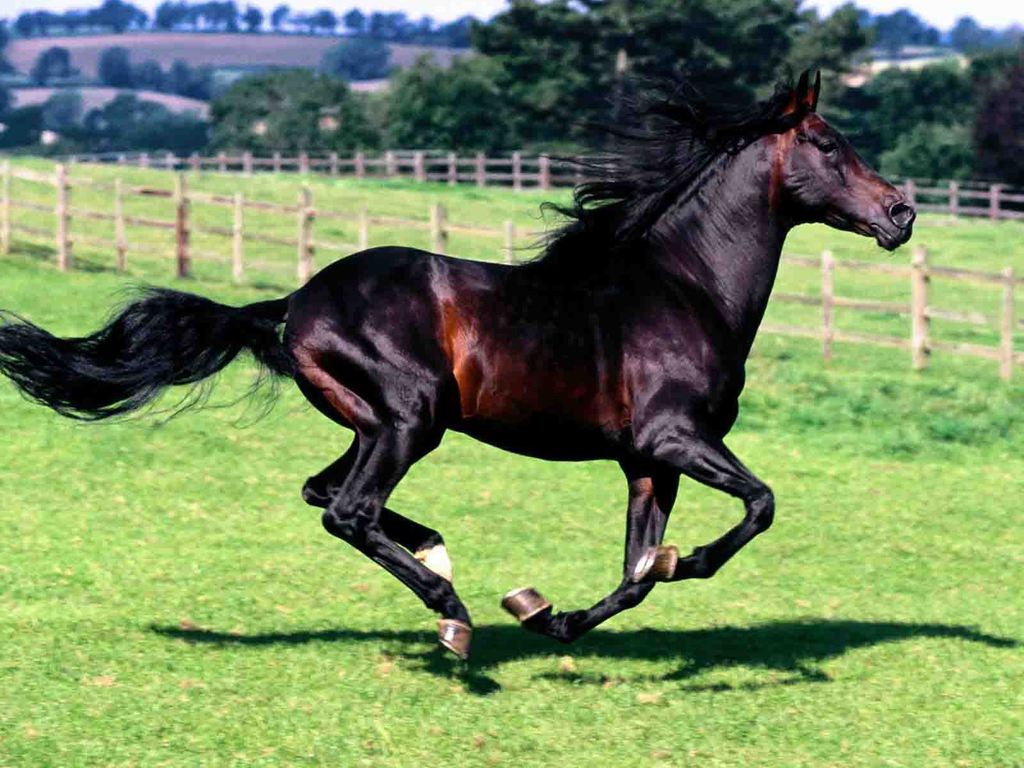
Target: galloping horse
x=625 y=339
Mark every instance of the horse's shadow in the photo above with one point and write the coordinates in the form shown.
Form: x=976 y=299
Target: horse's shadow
x=791 y=647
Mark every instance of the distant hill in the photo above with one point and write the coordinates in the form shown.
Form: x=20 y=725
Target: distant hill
x=218 y=50
x=94 y=97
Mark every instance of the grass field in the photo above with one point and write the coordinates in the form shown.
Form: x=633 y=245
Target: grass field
x=167 y=599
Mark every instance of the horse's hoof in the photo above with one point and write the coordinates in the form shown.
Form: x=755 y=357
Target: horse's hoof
x=525 y=603
x=436 y=559
x=657 y=564
x=455 y=636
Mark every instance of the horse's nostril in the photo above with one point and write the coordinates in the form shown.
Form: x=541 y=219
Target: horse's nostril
x=902 y=215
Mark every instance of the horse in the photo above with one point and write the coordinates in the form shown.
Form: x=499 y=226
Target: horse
x=625 y=339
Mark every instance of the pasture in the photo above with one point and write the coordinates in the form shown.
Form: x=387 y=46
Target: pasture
x=168 y=599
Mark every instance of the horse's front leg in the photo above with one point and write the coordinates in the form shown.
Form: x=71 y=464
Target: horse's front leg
x=708 y=461
x=651 y=496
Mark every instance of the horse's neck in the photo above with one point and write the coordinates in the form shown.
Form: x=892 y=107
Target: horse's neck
x=727 y=240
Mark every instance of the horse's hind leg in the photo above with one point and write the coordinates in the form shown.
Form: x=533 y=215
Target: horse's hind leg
x=651 y=496
x=426 y=544
x=355 y=515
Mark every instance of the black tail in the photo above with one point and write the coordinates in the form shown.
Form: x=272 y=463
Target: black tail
x=165 y=338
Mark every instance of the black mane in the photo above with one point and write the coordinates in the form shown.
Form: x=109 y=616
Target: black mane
x=659 y=158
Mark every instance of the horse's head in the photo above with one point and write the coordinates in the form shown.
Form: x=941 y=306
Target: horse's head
x=817 y=176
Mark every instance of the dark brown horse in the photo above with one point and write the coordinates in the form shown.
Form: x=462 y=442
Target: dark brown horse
x=625 y=340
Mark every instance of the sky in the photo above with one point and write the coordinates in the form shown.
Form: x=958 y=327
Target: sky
x=940 y=13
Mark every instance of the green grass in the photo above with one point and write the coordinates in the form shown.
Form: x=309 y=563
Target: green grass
x=167 y=599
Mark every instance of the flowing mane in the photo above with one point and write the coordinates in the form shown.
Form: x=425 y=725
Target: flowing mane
x=661 y=157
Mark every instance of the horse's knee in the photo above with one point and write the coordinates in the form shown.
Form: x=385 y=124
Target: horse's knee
x=761 y=510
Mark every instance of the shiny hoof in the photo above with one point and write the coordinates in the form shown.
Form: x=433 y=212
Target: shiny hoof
x=455 y=636
x=657 y=564
x=525 y=603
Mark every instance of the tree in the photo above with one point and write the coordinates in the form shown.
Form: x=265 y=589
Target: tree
x=118 y=16
x=279 y=16
x=5 y=100
x=355 y=21
x=52 y=64
x=62 y=111
x=894 y=30
x=290 y=110
x=558 y=60
x=999 y=127
x=893 y=103
x=357 y=58
x=931 y=151
x=5 y=38
x=23 y=126
x=325 y=20
x=170 y=15
x=148 y=76
x=115 y=68
x=461 y=107
x=253 y=18
x=828 y=44
x=127 y=123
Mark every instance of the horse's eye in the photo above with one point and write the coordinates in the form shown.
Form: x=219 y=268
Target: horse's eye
x=829 y=147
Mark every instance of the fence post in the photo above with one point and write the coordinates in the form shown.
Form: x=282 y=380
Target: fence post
x=170 y=161
x=222 y=162
x=828 y=270
x=181 y=234
x=919 y=308
x=121 y=159
x=510 y=242
x=517 y=171
x=993 y=201
x=1006 y=328
x=303 y=163
x=910 y=190
x=305 y=239
x=120 y=238
x=333 y=163
x=481 y=169
x=63 y=220
x=144 y=160
x=238 y=238
x=360 y=163
x=453 y=169
x=438 y=231
x=247 y=163
x=390 y=166
x=5 y=209
x=276 y=162
x=364 y=229
x=419 y=167
x=544 y=164
x=954 y=198
x=195 y=162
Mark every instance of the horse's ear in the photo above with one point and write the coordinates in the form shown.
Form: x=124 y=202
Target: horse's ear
x=799 y=96
x=811 y=95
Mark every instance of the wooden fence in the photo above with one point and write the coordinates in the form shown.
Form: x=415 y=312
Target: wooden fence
x=181 y=227
x=919 y=311
x=521 y=171
x=919 y=340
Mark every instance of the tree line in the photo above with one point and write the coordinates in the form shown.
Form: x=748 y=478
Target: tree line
x=118 y=16
x=542 y=75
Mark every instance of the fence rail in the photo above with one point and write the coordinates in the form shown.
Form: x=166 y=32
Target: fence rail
x=521 y=171
x=920 y=339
